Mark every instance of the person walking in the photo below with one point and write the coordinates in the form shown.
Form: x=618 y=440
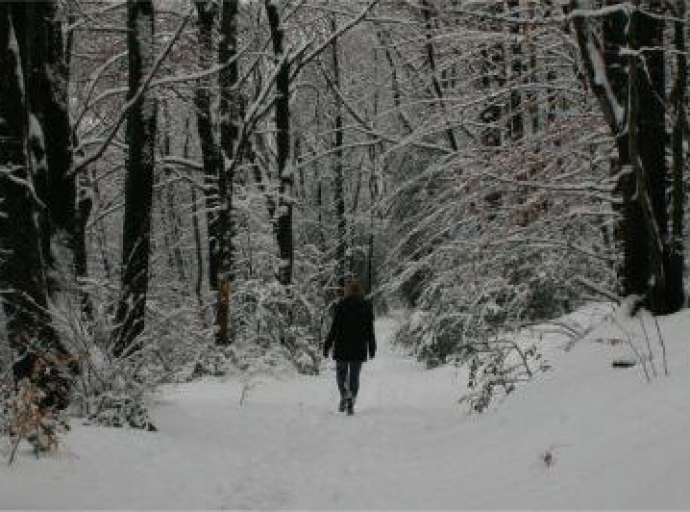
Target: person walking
x=352 y=339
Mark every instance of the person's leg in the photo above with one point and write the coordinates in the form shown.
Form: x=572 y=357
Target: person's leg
x=341 y=378
x=355 y=368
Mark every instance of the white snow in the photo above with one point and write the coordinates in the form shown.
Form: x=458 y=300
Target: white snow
x=614 y=440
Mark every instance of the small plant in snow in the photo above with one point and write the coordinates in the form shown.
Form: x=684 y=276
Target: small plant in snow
x=249 y=382
x=31 y=421
x=547 y=458
x=216 y=361
x=112 y=410
x=496 y=369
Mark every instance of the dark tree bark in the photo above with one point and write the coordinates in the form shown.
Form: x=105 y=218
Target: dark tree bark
x=634 y=105
x=284 y=232
x=611 y=93
x=493 y=72
x=23 y=284
x=493 y=77
x=47 y=78
x=84 y=188
x=648 y=141
x=101 y=232
x=677 y=246
x=262 y=180
x=634 y=273
x=229 y=131
x=173 y=223
x=141 y=141
x=516 y=123
x=338 y=165
x=532 y=96
x=62 y=217
x=198 y=251
x=384 y=40
x=210 y=150
x=551 y=75
x=84 y=206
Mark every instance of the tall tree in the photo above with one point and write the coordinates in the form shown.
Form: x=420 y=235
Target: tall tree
x=207 y=12
x=84 y=185
x=229 y=131
x=40 y=39
x=607 y=74
x=141 y=140
x=23 y=286
x=679 y=127
x=634 y=106
x=633 y=273
x=338 y=167
x=648 y=141
x=516 y=123
x=284 y=232
x=492 y=75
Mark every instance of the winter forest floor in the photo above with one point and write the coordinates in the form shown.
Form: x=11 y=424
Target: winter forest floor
x=614 y=441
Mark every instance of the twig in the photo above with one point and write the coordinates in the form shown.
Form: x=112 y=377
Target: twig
x=649 y=345
x=247 y=386
x=663 y=345
x=634 y=349
x=87 y=160
x=14 y=450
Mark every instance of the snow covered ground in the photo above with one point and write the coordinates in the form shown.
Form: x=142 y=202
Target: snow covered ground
x=614 y=441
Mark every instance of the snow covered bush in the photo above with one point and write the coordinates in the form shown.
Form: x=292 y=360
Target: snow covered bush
x=269 y=315
x=512 y=226
x=215 y=361
x=497 y=367
x=114 y=392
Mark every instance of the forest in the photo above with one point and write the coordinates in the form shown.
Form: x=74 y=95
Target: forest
x=186 y=187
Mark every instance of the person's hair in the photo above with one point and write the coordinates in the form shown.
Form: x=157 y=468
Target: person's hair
x=353 y=288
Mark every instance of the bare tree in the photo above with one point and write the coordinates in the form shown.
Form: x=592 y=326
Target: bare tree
x=229 y=133
x=207 y=13
x=141 y=139
x=284 y=228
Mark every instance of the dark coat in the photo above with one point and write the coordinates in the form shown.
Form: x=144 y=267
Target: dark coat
x=352 y=334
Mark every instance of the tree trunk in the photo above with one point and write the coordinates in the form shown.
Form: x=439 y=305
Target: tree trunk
x=229 y=130
x=284 y=232
x=210 y=151
x=22 y=268
x=635 y=268
x=649 y=140
x=173 y=228
x=532 y=95
x=384 y=40
x=492 y=65
x=516 y=123
x=141 y=140
x=634 y=274
x=84 y=188
x=677 y=300
x=339 y=179
x=47 y=77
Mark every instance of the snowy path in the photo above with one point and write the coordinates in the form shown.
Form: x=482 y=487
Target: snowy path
x=285 y=447
x=408 y=447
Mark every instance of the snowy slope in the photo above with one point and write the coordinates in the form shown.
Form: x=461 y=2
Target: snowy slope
x=615 y=441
